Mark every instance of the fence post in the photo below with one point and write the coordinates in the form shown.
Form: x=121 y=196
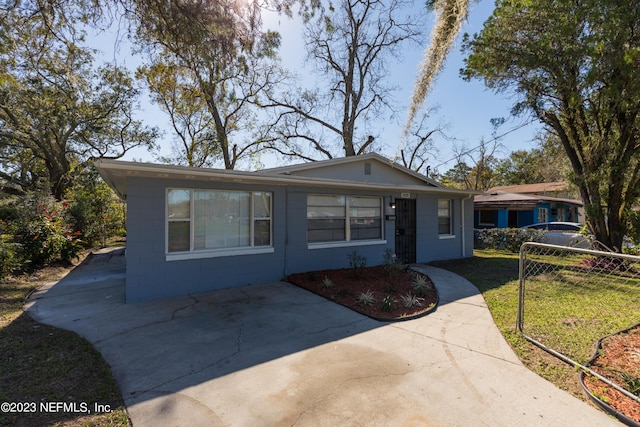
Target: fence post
x=521 y=279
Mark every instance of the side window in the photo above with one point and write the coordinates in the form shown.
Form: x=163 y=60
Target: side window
x=444 y=217
x=179 y=217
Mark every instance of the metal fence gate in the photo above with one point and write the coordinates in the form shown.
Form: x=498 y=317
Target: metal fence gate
x=577 y=296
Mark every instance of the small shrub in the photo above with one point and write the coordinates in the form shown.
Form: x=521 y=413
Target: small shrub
x=10 y=260
x=391 y=263
x=387 y=303
x=357 y=263
x=420 y=285
x=366 y=298
x=410 y=300
x=633 y=250
x=42 y=232
x=326 y=283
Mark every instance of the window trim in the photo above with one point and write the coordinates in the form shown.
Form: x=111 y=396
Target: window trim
x=218 y=252
x=347 y=224
x=343 y=244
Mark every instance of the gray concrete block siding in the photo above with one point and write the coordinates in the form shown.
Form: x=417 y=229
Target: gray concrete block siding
x=151 y=274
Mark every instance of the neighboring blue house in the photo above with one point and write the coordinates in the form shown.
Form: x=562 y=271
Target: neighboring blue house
x=193 y=229
x=524 y=205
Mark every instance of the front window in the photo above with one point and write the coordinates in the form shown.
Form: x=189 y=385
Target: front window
x=209 y=220
x=444 y=217
x=365 y=221
x=338 y=218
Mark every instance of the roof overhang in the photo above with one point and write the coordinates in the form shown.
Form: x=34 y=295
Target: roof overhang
x=116 y=173
x=499 y=198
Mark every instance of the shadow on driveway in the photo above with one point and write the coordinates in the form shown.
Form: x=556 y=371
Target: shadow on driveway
x=275 y=354
x=159 y=347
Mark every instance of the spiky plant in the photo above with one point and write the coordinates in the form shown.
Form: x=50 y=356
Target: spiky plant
x=410 y=300
x=366 y=298
x=420 y=284
x=326 y=283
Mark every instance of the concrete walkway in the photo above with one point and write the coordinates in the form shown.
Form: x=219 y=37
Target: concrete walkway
x=276 y=355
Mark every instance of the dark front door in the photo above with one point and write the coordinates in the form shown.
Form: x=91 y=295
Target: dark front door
x=513 y=219
x=406 y=230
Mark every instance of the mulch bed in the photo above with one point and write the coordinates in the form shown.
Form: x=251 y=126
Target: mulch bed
x=385 y=286
x=619 y=361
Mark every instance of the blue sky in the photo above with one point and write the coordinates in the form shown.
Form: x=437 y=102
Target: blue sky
x=464 y=108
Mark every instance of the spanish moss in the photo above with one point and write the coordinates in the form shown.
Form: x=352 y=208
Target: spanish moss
x=450 y=15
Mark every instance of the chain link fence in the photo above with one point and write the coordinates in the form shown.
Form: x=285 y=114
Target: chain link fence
x=570 y=298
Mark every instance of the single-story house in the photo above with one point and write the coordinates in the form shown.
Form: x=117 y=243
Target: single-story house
x=195 y=229
x=558 y=189
x=521 y=205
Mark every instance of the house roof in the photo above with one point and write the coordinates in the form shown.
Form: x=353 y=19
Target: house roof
x=502 y=198
x=116 y=173
x=544 y=187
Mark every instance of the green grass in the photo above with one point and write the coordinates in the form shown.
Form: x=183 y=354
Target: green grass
x=570 y=307
x=568 y=310
x=40 y=363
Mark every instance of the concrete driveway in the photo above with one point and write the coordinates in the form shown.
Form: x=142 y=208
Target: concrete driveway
x=276 y=355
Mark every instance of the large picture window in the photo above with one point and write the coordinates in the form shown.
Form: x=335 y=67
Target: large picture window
x=210 y=220
x=338 y=218
x=444 y=217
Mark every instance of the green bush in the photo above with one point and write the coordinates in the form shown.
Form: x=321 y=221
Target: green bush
x=10 y=260
x=509 y=239
x=633 y=226
x=35 y=229
x=42 y=232
x=633 y=250
x=94 y=210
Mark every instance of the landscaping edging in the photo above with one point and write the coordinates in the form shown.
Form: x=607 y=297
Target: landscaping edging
x=601 y=403
x=384 y=291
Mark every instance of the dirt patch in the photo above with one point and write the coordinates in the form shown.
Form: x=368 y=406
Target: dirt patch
x=377 y=292
x=618 y=361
